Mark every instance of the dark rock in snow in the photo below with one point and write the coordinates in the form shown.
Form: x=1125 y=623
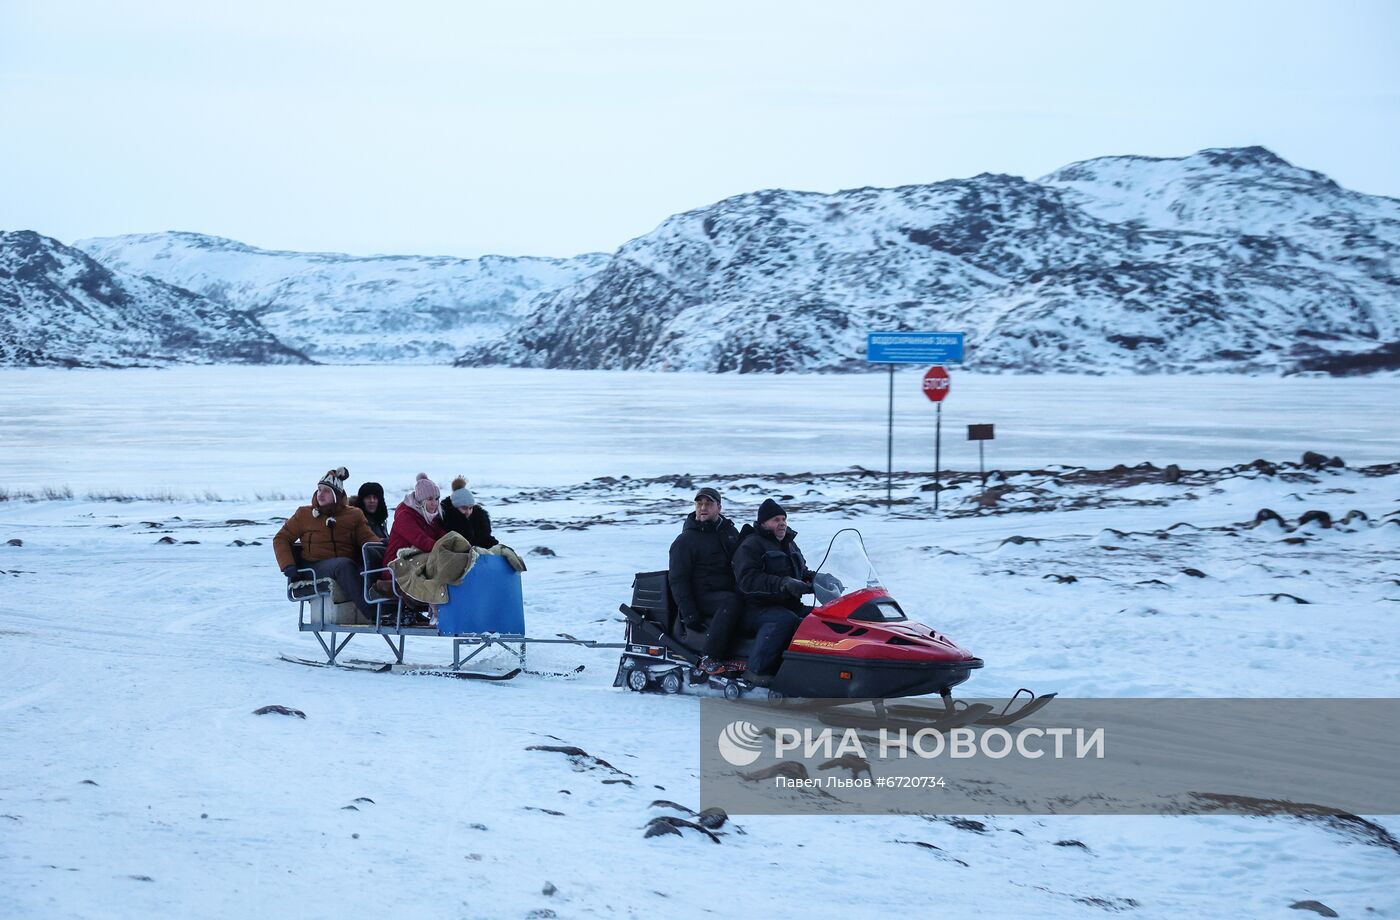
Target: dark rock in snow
x=1313 y=460
x=279 y=710
x=967 y=824
x=1061 y=579
x=793 y=769
x=1322 y=518
x=168 y=541
x=670 y=824
x=1072 y=843
x=1172 y=473
x=855 y=763
x=542 y=551
x=713 y=818
x=580 y=758
x=667 y=803
x=14 y=542
x=925 y=845
x=548 y=890
x=1194 y=573
x=1268 y=514
x=1018 y=540
x=1315 y=906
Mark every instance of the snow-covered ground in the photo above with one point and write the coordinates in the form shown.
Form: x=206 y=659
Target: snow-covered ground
x=136 y=780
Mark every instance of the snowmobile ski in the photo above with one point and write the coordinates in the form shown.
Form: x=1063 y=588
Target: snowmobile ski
x=915 y=718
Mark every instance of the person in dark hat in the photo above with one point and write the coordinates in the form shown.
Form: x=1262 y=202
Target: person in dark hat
x=702 y=580
x=460 y=512
x=328 y=534
x=773 y=577
x=370 y=500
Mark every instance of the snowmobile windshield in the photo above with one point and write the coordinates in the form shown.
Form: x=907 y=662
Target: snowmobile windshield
x=844 y=569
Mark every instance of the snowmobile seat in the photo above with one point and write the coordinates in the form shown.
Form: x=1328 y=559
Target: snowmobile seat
x=651 y=596
x=694 y=639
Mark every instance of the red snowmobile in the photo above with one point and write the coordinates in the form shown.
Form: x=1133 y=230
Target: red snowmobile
x=857 y=644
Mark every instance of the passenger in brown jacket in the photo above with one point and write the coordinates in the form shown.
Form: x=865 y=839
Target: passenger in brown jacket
x=331 y=534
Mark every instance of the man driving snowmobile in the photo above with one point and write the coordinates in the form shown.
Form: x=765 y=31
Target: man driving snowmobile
x=702 y=580
x=773 y=576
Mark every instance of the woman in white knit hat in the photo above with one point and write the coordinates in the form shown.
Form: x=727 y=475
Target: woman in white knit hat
x=461 y=513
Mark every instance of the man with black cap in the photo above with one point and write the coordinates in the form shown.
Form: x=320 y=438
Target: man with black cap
x=702 y=581
x=773 y=576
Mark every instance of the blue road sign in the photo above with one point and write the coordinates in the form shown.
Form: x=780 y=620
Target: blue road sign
x=914 y=347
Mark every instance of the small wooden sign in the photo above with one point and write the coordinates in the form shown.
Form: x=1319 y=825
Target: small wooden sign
x=980 y=433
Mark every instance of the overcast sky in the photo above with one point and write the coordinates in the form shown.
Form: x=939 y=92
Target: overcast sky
x=557 y=128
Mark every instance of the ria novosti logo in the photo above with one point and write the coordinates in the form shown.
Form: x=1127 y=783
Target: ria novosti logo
x=740 y=743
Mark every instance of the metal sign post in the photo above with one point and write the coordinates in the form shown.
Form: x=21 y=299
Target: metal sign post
x=909 y=348
x=981 y=434
x=889 y=449
x=937 y=385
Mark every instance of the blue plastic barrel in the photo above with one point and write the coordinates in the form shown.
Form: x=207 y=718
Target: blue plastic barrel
x=489 y=599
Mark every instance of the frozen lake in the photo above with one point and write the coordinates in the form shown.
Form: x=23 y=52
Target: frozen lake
x=239 y=431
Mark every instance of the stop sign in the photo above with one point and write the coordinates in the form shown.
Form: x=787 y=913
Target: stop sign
x=936 y=383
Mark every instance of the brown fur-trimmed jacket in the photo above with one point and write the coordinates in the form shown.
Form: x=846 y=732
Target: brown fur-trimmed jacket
x=320 y=541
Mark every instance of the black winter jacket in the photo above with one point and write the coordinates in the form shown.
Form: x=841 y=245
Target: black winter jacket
x=477 y=528
x=700 y=562
x=760 y=565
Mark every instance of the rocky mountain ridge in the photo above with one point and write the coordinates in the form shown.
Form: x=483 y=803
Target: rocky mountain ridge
x=1225 y=260
x=61 y=308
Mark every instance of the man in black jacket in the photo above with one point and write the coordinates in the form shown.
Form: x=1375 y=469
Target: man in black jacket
x=702 y=581
x=773 y=576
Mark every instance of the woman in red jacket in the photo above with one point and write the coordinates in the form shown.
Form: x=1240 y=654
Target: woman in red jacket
x=417 y=520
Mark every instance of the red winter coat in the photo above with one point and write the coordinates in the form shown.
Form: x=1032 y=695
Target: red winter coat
x=410 y=529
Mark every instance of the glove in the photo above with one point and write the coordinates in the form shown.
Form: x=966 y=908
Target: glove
x=796 y=587
x=292 y=573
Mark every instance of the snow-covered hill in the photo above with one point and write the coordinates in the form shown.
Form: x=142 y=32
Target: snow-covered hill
x=346 y=309
x=58 y=307
x=1225 y=260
